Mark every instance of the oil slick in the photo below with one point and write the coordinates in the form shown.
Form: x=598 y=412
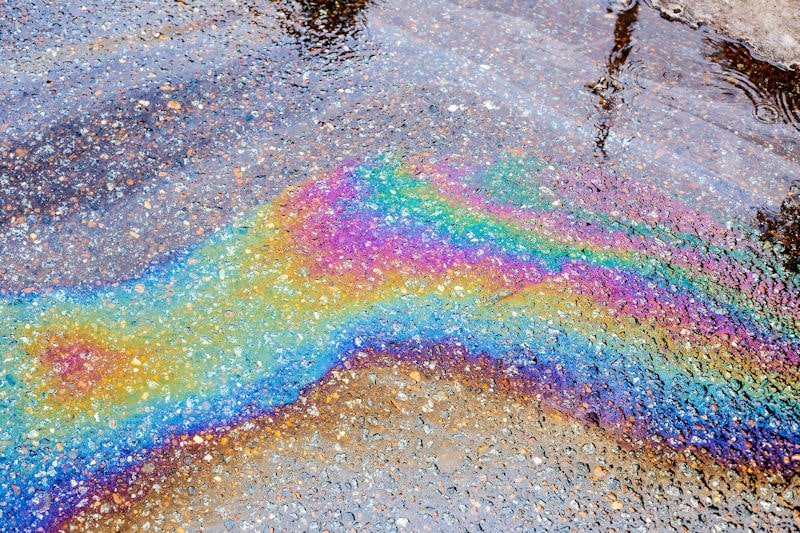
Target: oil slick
x=614 y=303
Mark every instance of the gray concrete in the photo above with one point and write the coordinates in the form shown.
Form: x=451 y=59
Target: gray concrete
x=770 y=27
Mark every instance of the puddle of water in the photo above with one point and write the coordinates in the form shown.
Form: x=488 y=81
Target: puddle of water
x=773 y=91
x=130 y=133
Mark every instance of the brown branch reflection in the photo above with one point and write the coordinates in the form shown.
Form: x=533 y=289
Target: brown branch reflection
x=783 y=228
x=319 y=27
x=608 y=86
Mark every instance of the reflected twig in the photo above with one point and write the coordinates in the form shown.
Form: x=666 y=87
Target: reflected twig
x=322 y=26
x=783 y=228
x=608 y=85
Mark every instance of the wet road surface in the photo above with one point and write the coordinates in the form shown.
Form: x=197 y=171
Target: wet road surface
x=131 y=134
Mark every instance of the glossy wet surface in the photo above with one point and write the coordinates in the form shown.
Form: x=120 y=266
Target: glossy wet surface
x=131 y=133
x=203 y=112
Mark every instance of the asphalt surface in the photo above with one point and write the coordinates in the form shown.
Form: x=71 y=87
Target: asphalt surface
x=131 y=132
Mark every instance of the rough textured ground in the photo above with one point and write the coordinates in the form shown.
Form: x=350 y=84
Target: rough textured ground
x=407 y=448
x=131 y=131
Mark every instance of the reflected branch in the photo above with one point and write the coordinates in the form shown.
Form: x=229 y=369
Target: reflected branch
x=783 y=228
x=608 y=85
x=323 y=25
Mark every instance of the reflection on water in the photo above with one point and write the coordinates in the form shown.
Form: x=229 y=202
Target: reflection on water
x=774 y=91
x=322 y=27
x=783 y=228
x=608 y=88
